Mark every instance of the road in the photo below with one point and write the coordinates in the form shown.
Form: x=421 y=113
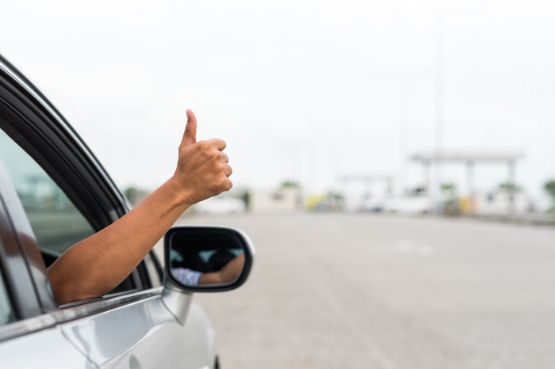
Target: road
x=363 y=291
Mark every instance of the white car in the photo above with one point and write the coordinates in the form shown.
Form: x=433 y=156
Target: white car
x=410 y=205
x=53 y=193
x=221 y=205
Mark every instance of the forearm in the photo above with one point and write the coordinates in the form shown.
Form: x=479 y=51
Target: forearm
x=210 y=278
x=96 y=265
x=228 y=274
x=99 y=263
x=231 y=271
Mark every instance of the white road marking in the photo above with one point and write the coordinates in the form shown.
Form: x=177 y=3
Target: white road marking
x=405 y=246
x=415 y=248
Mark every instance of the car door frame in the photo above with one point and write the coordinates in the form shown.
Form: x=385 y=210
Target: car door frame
x=33 y=122
x=17 y=280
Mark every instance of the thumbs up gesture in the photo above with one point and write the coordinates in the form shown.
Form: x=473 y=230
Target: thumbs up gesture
x=202 y=168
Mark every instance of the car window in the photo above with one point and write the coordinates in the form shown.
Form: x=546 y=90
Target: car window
x=152 y=271
x=56 y=222
x=6 y=311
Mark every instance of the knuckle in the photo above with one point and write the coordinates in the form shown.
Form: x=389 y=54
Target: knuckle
x=223 y=184
x=217 y=166
x=218 y=143
x=203 y=146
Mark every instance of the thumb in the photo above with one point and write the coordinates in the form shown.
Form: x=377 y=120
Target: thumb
x=190 y=135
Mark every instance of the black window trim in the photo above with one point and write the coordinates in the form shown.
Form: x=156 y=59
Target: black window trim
x=42 y=129
x=49 y=131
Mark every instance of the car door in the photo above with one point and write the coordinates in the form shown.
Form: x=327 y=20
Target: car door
x=62 y=195
x=29 y=338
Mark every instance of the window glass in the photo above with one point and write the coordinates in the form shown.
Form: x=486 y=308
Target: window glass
x=152 y=272
x=56 y=222
x=6 y=312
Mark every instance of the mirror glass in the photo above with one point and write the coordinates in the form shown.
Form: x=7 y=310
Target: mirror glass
x=200 y=257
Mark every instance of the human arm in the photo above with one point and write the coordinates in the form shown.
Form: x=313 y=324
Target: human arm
x=228 y=274
x=97 y=264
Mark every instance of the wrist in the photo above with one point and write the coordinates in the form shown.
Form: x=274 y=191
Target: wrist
x=180 y=194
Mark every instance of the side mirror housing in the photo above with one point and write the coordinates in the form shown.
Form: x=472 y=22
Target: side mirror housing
x=207 y=259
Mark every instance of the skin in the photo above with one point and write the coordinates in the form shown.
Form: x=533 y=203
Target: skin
x=97 y=264
x=228 y=274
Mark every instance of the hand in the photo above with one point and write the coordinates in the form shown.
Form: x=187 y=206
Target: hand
x=202 y=169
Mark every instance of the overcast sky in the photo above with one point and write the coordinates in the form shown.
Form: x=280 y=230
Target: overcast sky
x=308 y=90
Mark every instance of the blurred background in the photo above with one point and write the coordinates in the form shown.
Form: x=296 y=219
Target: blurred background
x=393 y=162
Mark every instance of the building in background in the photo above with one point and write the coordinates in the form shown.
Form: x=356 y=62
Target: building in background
x=285 y=199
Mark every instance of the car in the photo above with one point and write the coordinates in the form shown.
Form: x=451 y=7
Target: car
x=221 y=205
x=410 y=205
x=53 y=193
x=372 y=205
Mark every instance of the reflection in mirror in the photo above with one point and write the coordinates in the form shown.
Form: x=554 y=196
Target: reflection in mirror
x=205 y=259
x=225 y=273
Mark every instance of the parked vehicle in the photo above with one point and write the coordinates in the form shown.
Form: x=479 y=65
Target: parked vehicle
x=411 y=205
x=53 y=192
x=372 y=204
x=221 y=205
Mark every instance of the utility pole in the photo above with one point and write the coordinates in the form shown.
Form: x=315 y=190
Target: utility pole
x=403 y=133
x=439 y=108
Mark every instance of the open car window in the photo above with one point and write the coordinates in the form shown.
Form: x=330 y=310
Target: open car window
x=55 y=220
x=6 y=312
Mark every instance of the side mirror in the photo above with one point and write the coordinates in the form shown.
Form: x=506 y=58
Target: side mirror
x=207 y=259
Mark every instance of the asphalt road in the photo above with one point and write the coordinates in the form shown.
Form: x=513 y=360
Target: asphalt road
x=361 y=291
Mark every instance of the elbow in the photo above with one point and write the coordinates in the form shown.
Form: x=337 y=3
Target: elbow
x=67 y=289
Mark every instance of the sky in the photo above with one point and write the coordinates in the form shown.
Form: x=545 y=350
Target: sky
x=303 y=90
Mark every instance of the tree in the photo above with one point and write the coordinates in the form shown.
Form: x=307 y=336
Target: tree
x=131 y=192
x=509 y=187
x=135 y=194
x=289 y=184
x=549 y=187
x=449 y=189
x=245 y=196
x=450 y=202
x=335 y=196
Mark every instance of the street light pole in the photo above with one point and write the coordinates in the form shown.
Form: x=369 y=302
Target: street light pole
x=403 y=133
x=439 y=107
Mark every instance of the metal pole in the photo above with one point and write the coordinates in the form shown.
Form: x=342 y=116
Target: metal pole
x=511 y=186
x=389 y=186
x=439 y=105
x=470 y=184
x=427 y=169
x=470 y=178
x=403 y=133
